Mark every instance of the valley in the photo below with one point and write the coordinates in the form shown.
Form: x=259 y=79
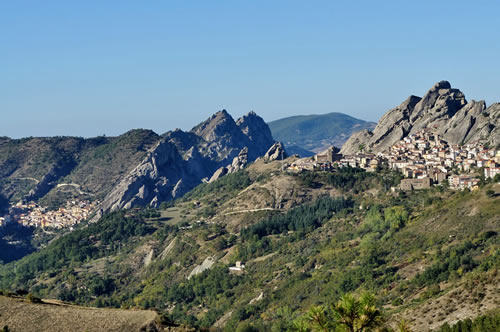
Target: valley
x=305 y=240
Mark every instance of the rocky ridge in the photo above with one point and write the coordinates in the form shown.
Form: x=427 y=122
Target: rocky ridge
x=443 y=109
x=181 y=160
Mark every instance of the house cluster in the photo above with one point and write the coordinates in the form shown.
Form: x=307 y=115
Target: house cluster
x=31 y=214
x=424 y=155
x=423 y=158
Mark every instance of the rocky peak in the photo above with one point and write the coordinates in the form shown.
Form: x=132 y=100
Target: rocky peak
x=181 y=159
x=443 y=109
x=219 y=124
x=440 y=101
x=258 y=133
x=254 y=127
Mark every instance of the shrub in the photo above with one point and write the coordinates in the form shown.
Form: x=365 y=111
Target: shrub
x=33 y=299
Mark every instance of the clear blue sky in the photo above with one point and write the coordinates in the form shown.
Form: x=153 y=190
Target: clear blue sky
x=88 y=68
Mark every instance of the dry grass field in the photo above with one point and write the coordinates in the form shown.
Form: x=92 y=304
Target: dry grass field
x=22 y=316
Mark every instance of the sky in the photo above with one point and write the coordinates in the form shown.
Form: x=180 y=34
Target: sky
x=88 y=68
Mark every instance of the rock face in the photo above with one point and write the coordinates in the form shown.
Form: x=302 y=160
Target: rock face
x=180 y=160
x=276 y=152
x=161 y=176
x=238 y=163
x=443 y=109
x=258 y=133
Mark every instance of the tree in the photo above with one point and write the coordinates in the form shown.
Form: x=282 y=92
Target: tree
x=496 y=178
x=318 y=319
x=246 y=327
x=350 y=314
x=357 y=314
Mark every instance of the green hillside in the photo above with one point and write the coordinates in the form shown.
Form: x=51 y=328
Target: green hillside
x=429 y=257
x=316 y=132
x=92 y=165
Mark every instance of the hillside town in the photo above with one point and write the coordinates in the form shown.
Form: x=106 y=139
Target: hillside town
x=31 y=214
x=422 y=158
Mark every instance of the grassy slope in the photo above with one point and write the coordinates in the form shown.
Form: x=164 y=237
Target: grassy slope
x=355 y=251
x=21 y=315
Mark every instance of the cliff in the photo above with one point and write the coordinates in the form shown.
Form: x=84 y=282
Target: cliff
x=443 y=109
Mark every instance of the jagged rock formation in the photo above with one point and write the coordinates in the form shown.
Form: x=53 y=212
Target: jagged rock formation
x=443 y=109
x=218 y=174
x=258 y=133
x=275 y=152
x=238 y=163
x=182 y=159
x=162 y=175
x=139 y=167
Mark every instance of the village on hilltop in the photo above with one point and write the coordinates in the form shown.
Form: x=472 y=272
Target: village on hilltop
x=31 y=214
x=423 y=158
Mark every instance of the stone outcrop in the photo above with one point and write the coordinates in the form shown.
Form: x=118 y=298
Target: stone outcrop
x=258 y=134
x=276 y=152
x=443 y=109
x=180 y=160
x=239 y=162
x=218 y=174
x=159 y=177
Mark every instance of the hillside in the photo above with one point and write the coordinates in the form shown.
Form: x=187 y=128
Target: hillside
x=31 y=168
x=444 y=110
x=21 y=315
x=315 y=132
x=306 y=239
x=134 y=169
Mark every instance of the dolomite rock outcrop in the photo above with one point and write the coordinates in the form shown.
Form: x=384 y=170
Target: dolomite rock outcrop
x=442 y=109
x=180 y=160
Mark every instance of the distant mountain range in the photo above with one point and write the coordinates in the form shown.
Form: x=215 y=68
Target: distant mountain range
x=305 y=134
x=443 y=110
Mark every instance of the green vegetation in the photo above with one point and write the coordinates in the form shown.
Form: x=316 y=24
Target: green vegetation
x=349 y=314
x=95 y=241
x=348 y=178
x=423 y=253
x=304 y=218
x=16 y=242
x=95 y=164
x=227 y=185
x=484 y=323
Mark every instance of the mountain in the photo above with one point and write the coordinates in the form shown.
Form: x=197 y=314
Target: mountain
x=180 y=160
x=443 y=110
x=305 y=239
x=137 y=168
x=55 y=169
x=315 y=132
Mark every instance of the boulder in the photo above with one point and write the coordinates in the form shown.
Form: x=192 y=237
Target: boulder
x=276 y=152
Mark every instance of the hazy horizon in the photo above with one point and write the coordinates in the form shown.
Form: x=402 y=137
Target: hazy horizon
x=88 y=69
